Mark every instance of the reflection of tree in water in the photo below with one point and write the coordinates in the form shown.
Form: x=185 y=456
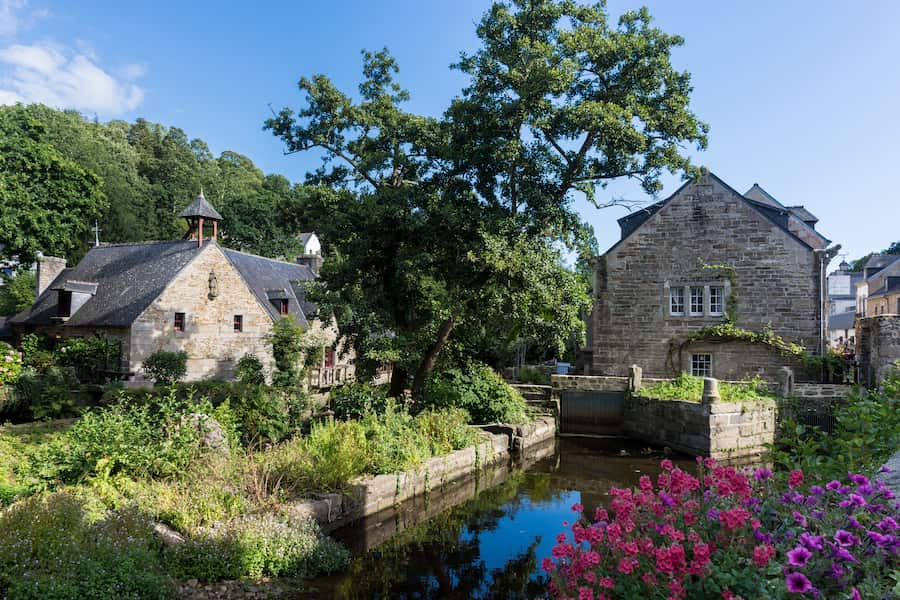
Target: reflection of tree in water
x=441 y=558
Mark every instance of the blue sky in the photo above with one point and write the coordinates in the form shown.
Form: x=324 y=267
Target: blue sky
x=801 y=97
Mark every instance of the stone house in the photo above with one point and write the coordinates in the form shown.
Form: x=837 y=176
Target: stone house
x=214 y=303
x=841 y=313
x=683 y=263
x=879 y=292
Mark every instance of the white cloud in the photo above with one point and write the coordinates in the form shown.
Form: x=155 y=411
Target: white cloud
x=14 y=17
x=49 y=74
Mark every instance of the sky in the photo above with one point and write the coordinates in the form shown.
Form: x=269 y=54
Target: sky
x=800 y=97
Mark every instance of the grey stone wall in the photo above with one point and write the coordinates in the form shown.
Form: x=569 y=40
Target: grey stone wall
x=777 y=284
x=877 y=346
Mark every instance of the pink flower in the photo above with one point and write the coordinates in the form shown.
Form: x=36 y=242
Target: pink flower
x=762 y=554
x=795 y=478
x=578 y=507
x=608 y=583
x=585 y=593
x=799 y=556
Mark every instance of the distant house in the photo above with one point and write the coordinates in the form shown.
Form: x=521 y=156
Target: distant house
x=681 y=261
x=841 y=312
x=194 y=295
x=879 y=292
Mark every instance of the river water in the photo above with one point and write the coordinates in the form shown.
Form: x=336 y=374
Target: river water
x=491 y=544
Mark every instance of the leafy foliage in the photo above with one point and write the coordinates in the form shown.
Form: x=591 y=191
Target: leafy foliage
x=17 y=292
x=165 y=367
x=690 y=388
x=479 y=390
x=51 y=394
x=250 y=370
x=10 y=364
x=49 y=549
x=355 y=400
x=294 y=350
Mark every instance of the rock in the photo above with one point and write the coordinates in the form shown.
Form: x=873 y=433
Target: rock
x=168 y=536
x=213 y=435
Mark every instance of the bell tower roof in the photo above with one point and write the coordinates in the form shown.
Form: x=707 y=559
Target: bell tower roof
x=200 y=208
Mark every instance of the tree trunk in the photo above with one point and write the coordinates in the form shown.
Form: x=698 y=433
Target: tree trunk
x=399 y=376
x=430 y=358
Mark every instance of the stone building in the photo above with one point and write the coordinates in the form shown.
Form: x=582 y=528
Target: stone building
x=684 y=263
x=841 y=307
x=879 y=292
x=214 y=303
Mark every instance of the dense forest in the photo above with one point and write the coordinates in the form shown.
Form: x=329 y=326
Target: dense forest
x=59 y=172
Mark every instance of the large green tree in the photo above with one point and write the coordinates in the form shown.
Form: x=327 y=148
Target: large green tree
x=453 y=227
x=47 y=201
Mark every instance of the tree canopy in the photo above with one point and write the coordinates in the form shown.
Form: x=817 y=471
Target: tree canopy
x=448 y=231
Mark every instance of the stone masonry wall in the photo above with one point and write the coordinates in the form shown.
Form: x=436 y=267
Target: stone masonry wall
x=212 y=345
x=777 y=282
x=877 y=346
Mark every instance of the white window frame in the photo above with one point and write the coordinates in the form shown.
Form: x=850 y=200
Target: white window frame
x=673 y=292
x=695 y=288
x=701 y=365
x=713 y=310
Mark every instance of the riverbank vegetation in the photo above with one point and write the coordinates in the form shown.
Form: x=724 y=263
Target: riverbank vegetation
x=690 y=388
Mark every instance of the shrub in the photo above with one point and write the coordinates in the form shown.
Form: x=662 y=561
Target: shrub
x=89 y=357
x=250 y=370
x=36 y=352
x=254 y=546
x=51 y=394
x=446 y=430
x=534 y=376
x=267 y=414
x=139 y=440
x=480 y=391
x=165 y=367
x=50 y=550
x=10 y=364
x=355 y=400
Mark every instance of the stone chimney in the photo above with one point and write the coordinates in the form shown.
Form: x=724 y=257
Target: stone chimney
x=313 y=261
x=48 y=269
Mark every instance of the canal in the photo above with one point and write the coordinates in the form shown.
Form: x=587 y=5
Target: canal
x=491 y=544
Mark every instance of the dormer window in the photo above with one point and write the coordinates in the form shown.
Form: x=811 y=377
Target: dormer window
x=284 y=306
x=64 y=304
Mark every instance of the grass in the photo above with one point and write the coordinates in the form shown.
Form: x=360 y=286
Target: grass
x=689 y=388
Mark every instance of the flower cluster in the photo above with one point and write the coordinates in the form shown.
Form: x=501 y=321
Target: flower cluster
x=733 y=534
x=10 y=364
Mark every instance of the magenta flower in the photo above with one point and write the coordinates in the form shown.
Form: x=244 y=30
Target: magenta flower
x=837 y=571
x=799 y=556
x=887 y=524
x=885 y=469
x=762 y=473
x=853 y=501
x=833 y=486
x=855 y=595
x=845 y=538
x=797 y=583
x=817 y=490
x=812 y=542
x=858 y=479
x=800 y=519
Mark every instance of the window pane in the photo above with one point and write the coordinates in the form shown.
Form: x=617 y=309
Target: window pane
x=701 y=365
x=238 y=322
x=716 y=300
x=179 y=321
x=696 y=300
x=676 y=301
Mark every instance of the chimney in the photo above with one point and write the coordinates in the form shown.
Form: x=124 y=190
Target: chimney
x=48 y=269
x=313 y=261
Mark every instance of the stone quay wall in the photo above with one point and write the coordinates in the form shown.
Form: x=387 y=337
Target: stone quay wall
x=877 y=346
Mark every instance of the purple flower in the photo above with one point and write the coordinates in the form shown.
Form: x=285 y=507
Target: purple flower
x=852 y=523
x=843 y=554
x=865 y=490
x=817 y=490
x=855 y=595
x=885 y=469
x=762 y=537
x=887 y=524
x=800 y=519
x=797 y=583
x=818 y=514
x=667 y=499
x=762 y=473
x=837 y=571
x=858 y=479
x=876 y=537
x=833 y=486
x=799 y=556
x=812 y=542
x=853 y=501
x=712 y=515
x=845 y=538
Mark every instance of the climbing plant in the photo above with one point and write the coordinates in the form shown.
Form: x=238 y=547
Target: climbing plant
x=730 y=273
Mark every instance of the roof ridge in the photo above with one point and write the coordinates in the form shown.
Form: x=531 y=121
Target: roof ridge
x=144 y=243
x=277 y=260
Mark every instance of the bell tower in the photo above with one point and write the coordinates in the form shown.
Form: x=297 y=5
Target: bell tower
x=197 y=214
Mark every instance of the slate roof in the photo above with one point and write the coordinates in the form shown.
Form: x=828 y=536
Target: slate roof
x=759 y=199
x=200 y=208
x=126 y=278
x=274 y=279
x=844 y=320
x=804 y=215
x=304 y=237
x=890 y=285
x=879 y=261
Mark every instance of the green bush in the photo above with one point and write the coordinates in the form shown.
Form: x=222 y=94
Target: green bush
x=89 y=357
x=10 y=364
x=534 y=376
x=49 y=550
x=446 y=430
x=394 y=442
x=690 y=388
x=480 y=391
x=355 y=400
x=151 y=439
x=250 y=370
x=267 y=414
x=257 y=546
x=50 y=394
x=866 y=433
x=36 y=352
x=166 y=367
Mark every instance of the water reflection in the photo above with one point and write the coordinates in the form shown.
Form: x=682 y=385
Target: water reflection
x=491 y=546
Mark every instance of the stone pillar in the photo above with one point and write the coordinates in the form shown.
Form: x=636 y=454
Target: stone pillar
x=786 y=382
x=635 y=373
x=710 y=390
x=48 y=269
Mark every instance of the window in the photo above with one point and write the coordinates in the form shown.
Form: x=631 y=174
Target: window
x=898 y=306
x=179 y=322
x=238 y=323
x=284 y=307
x=716 y=300
x=676 y=301
x=701 y=365
x=329 y=359
x=64 y=304
x=696 y=300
